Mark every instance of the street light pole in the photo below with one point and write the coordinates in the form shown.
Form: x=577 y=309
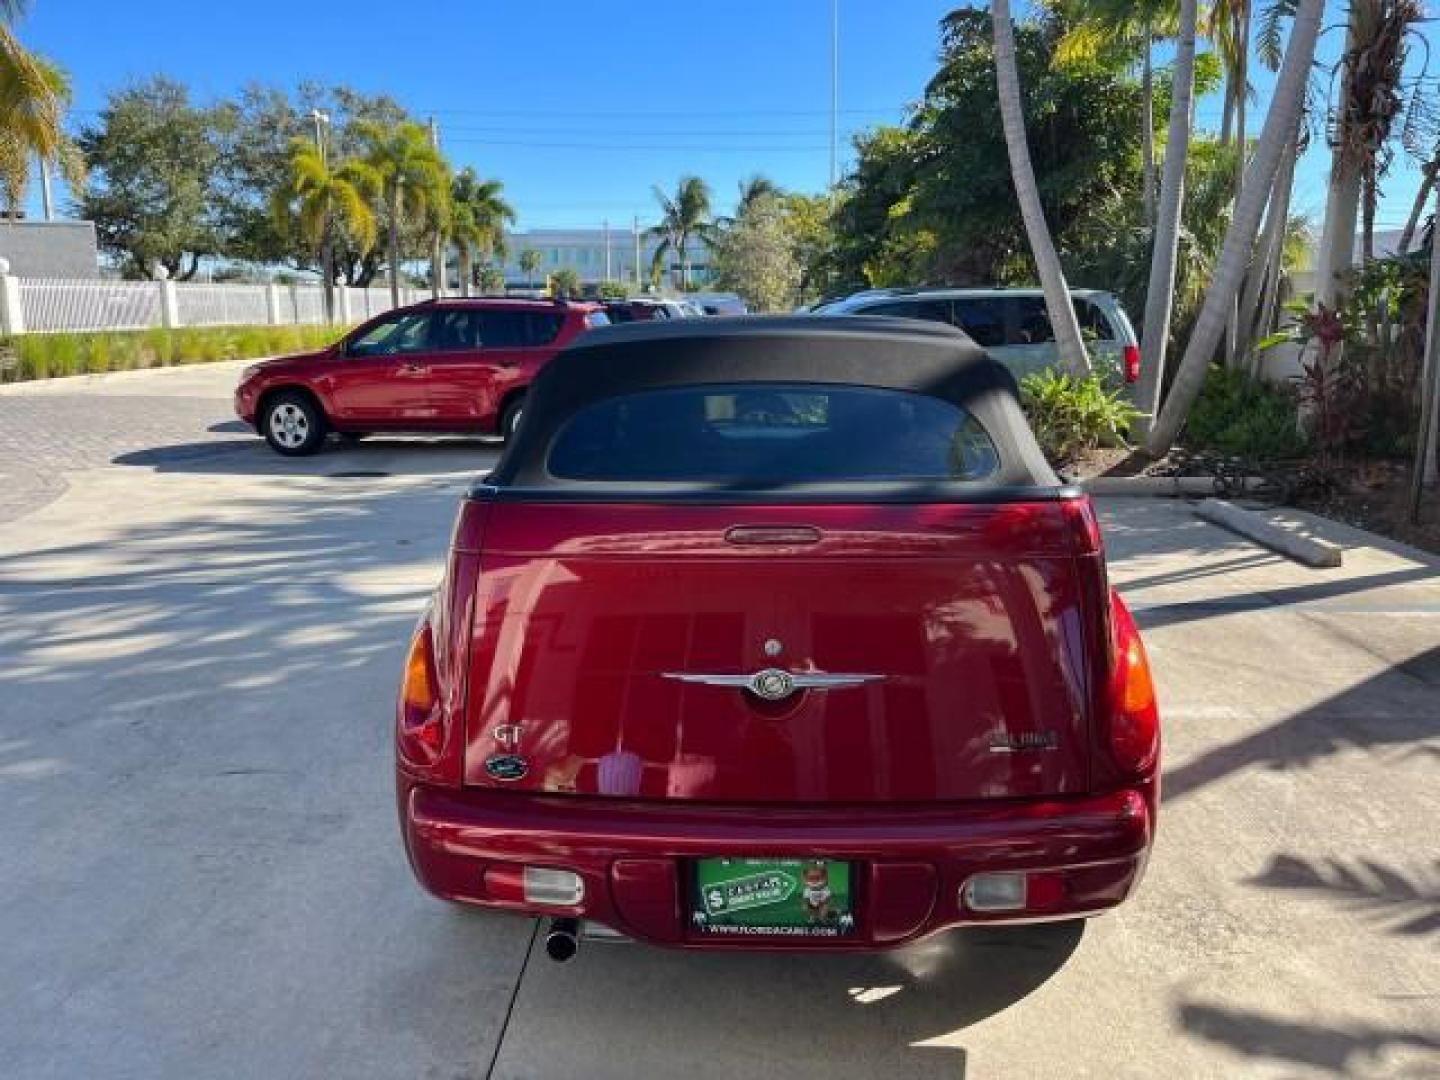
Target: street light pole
x=437 y=253
x=327 y=254
x=607 y=249
x=834 y=82
x=636 y=227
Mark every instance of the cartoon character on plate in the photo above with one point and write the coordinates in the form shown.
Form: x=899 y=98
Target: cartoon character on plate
x=817 y=893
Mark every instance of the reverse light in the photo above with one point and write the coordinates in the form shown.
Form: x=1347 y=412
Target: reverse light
x=534 y=885
x=1035 y=890
x=1132 y=363
x=420 y=731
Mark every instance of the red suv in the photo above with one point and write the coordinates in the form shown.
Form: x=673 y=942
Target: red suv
x=443 y=365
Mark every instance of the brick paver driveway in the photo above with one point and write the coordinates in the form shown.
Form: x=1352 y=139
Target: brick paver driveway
x=201 y=876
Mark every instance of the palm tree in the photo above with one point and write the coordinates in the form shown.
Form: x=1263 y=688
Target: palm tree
x=478 y=215
x=34 y=94
x=1125 y=27
x=414 y=182
x=1165 y=244
x=684 y=216
x=753 y=190
x=1372 y=66
x=565 y=282
x=530 y=261
x=1285 y=107
x=1047 y=263
x=323 y=200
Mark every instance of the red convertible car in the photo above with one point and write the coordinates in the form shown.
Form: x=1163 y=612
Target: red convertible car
x=776 y=633
x=450 y=365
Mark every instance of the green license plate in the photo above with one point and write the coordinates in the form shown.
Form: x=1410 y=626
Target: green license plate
x=773 y=897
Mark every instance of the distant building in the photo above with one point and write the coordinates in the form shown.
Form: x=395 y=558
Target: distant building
x=598 y=255
x=50 y=249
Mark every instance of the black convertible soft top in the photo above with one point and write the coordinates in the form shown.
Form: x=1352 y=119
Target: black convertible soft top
x=900 y=354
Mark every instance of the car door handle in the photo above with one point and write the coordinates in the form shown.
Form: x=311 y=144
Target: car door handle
x=412 y=369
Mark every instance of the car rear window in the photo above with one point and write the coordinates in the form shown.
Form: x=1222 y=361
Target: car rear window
x=763 y=434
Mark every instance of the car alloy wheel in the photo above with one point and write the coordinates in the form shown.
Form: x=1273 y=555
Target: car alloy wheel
x=289 y=426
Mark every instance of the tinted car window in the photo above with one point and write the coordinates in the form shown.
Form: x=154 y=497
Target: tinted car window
x=597 y=318
x=407 y=332
x=1092 y=321
x=1031 y=324
x=544 y=327
x=773 y=433
x=929 y=310
x=452 y=331
x=503 y=329
x=983 y=319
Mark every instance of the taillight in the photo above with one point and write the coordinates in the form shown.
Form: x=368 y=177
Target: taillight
x=1132 y=363
x=420 y=727
x=1134 y=721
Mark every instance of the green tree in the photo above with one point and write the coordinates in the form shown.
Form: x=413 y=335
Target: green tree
x=256 y=132
x=530 y=261
x=685 y=216
x=321 y=199
x=810 y=226
x=478 y=216
x=154 y=164
x=414 y=183
x=565 y=282
x=756 y=255
x=491 y=279
x=934 y=201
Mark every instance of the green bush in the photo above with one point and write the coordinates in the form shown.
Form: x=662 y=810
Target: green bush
x=46 y=356
x=1241 y=416
x=1072 y=416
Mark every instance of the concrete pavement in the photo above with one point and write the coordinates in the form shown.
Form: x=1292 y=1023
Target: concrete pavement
x=201 y=876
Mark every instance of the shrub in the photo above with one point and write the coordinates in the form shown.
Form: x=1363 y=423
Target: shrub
x=1072 y=416
x=1241 y=416
x=44 y=356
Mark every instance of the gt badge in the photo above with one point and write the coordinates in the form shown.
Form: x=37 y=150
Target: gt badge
x=508 y=735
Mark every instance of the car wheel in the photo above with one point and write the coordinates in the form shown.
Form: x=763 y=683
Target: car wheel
x=510 y=418
x=293 y=424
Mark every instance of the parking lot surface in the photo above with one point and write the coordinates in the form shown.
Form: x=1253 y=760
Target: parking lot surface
x=201 y=874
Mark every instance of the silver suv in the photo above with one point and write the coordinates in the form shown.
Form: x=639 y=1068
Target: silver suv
x=1012 y=325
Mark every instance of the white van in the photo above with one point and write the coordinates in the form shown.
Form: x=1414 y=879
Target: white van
x=1012 y=325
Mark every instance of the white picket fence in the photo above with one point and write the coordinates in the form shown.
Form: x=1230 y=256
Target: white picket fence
x=42 y=305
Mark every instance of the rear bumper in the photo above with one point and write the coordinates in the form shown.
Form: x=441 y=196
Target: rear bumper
x=912 y=862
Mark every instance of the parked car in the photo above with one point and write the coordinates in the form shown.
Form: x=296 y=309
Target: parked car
x=1011 y=324
x=443 y=365
x=776 y=632
x=635 y=309
x=720 y=304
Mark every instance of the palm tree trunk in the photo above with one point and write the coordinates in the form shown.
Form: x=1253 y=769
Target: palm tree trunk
x=466 y=269
x=1160 y=293
x=1147 y=120
x=437 y=264
x=1285 y=105
x=1261 y=284
x=1342 y=201
x=1234 y=330
x=1047 y=263
x=327 y=272
x=392 y=227
x=1421 y=198
x=1227 y=114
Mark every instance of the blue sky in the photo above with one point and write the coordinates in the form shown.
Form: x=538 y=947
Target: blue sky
x=578 y=107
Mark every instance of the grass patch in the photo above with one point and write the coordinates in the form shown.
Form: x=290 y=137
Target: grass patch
x=46 y=356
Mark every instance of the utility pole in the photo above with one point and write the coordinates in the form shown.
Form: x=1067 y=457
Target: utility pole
x=437 y=251
x=607 y=249
x=636 y=227
x=834 y=83
x=327 y=254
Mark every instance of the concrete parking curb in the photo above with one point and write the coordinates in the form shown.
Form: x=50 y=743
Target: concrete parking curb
x=1172 y=487
x=1303 y=549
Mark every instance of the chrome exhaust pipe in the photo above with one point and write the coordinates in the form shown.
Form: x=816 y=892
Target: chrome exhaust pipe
x=562 y=940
